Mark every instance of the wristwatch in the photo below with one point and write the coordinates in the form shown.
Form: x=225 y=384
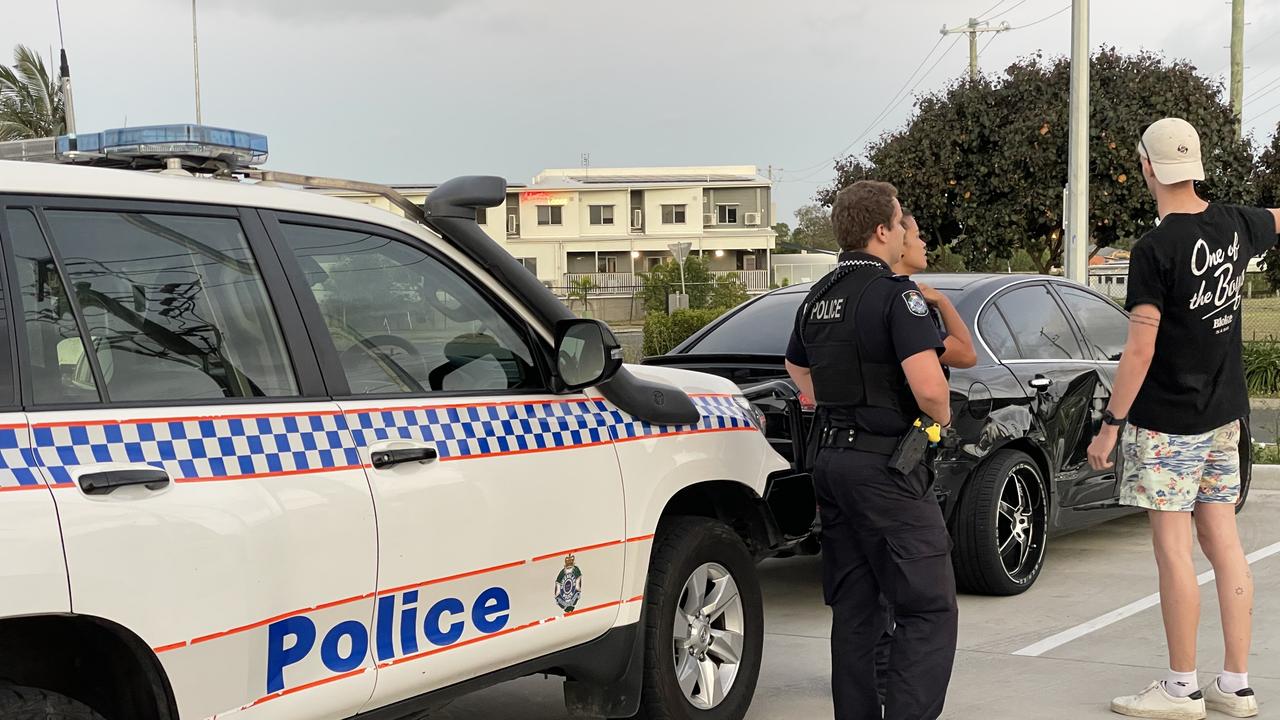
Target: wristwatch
x=1110 y=418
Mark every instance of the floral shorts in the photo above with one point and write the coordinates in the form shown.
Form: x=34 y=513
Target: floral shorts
x=1174 y=472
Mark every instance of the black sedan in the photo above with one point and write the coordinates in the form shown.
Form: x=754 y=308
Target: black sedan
x=1014 y=471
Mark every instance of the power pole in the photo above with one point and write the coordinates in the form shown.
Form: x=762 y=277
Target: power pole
x=64 y=80
x=1076 y=247
x=972 y=28
x=1237 y=62
x=195 y=52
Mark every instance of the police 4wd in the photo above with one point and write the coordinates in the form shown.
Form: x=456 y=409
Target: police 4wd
x=270 y=454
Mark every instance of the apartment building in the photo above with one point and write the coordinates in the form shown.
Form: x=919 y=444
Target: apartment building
x=610 y=224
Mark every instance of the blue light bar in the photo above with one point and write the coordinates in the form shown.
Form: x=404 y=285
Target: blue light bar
x=162 y=141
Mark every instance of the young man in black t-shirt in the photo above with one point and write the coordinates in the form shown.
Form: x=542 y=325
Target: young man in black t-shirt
x=1181 y=384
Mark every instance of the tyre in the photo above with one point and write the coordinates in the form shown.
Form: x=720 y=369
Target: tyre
x=25 y=703
x=1000 y=530
x=704 y=624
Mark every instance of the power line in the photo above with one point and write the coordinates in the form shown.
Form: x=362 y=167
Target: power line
x=882 y=112
x=1043 y=19
x=1259 y=91
x=1006 y=11
x=988 y=44
x=1264 y=112
x=984 y=14
x=1259 y=97
x=889 y=108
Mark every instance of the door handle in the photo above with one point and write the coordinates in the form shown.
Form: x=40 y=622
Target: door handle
x=1040 y=383
x=106 y=482
x=390 y=458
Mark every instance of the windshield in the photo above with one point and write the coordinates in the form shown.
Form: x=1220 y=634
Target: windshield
x=761 y=328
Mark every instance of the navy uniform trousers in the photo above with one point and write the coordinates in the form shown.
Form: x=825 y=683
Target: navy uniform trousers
x=883 y=533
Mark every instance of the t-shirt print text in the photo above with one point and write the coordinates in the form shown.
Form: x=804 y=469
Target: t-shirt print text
x=1221 y=263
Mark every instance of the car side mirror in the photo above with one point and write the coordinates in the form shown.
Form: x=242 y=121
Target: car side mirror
x=587 y=353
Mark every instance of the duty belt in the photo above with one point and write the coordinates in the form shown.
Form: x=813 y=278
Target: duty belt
x=847 y=438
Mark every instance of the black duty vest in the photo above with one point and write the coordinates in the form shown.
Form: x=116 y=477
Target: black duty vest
x=843 y=377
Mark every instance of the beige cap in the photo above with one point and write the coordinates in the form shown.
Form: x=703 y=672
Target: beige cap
x=1172 y=146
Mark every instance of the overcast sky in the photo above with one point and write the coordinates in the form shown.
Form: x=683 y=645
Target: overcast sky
x=408 y=91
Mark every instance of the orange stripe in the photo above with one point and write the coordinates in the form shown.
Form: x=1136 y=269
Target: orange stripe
x=14 y=488
x=473 y=640
x=18 y=426
x=167 y=648
x=637 y=598
x=455 y=406
x=192 y=418
x=710 y=395
x=615 y=603
x=308 y=686
x=279 y=473
x=525 y=452
x=281 y=616
x=563 y=553
x=641 y=538
x=459 y=576
x=685 y=432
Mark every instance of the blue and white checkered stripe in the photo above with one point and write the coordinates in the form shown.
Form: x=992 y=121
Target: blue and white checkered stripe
x=17 y=461
x=483 y=430
x=210 y=448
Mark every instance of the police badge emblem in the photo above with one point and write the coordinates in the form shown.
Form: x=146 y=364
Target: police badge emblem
x=569 y=586
x=915 y=303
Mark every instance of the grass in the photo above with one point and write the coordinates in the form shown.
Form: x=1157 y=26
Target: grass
x=1266 y=454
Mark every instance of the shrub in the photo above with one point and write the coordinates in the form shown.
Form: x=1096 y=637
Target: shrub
x=1262 y=368
x=663 y=332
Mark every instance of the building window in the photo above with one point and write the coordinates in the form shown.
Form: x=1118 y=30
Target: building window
x=550 y=214
x=530 y=264
x=601 y=214
x=607 y=265
x=482 y=216
x=673 y=214
x=727 y=214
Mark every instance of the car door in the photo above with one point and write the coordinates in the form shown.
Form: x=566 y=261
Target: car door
x=33 y=575
x=1042 y=350
x=211 y=501
x=1104 y=328
x=499 y=504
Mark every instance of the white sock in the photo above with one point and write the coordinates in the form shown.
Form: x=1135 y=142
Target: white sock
x=1229 y=682
x=1179 y=684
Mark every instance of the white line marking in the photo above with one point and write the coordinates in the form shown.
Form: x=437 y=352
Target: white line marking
x=1133 y=608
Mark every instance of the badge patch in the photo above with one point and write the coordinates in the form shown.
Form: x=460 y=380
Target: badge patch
x=915 y=303
x=569 y=586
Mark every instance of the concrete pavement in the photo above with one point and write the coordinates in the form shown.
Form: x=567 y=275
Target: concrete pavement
x=1086 y=575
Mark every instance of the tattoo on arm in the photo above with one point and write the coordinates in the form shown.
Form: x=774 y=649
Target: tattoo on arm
x=1145 y=320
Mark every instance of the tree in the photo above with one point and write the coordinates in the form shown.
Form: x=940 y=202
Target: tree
x=705 y=289
x=783 y=231
x=1267 y=185
x=31 y=102
x=982 y=163
x=813 y=228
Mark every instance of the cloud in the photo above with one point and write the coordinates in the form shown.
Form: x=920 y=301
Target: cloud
x=329 y=11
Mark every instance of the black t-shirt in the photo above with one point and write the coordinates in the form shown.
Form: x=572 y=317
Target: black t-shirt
x=1192 y=268
x=894 y=324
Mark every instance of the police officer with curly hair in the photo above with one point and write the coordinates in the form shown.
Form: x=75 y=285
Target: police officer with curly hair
x=866 y=349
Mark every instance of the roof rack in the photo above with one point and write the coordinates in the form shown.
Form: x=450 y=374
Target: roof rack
x=410 y=209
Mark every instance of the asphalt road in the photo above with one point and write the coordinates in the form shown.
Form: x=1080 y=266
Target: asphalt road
x=1087 y=576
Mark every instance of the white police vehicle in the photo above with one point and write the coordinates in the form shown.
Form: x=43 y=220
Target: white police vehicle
x=270 y=454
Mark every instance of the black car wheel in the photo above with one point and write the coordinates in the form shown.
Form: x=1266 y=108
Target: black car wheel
x=1001 y=526
x=704 y=624
x=26 y=703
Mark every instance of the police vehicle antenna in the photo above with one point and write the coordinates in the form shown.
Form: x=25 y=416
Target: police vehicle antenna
x=195 y=53
x=64 y=81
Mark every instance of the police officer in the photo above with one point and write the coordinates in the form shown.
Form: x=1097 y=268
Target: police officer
x=865 y=348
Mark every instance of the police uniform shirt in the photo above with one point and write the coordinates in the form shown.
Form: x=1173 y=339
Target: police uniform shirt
x=894 y=323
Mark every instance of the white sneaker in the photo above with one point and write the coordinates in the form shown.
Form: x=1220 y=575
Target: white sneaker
x=1241 y=704
x=1155 y=702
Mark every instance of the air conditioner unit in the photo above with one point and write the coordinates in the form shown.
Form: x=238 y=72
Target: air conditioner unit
x=637 y=219
x=752 y=218
x=708 y=219
x=513 y=224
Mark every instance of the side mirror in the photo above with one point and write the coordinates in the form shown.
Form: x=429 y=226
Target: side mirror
x=587 y=353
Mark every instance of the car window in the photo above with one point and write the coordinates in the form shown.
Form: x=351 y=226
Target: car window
x=995 y=332
x=1039 y=327
x=761 y=328
x=174 y=306
x=53 y=340
x=403 y=322
x=1105 y=326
